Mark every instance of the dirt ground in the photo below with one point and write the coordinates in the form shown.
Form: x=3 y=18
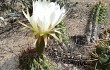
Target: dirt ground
x=14 y=39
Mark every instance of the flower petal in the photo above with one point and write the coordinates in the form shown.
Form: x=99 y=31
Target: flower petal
x=54 y=36
x=45 y=39
x=46 y=15
x=27 y=15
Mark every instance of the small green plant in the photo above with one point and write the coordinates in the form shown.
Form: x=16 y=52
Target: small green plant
x=29 y=61
x=102 y=53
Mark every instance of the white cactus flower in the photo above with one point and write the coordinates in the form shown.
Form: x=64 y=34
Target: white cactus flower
x=46 y=15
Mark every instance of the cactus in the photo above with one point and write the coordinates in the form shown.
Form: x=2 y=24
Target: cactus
x=103 y=55
x=97 y=19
